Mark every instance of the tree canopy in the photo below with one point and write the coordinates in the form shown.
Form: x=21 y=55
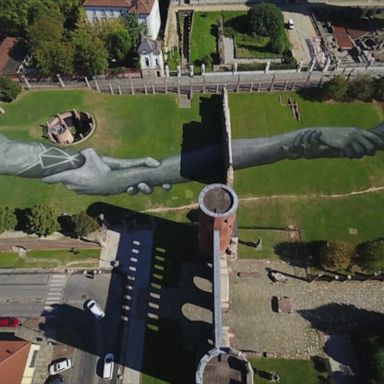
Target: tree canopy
x=267 y=20
x=84 y=224
x=9 y=89
x=370 y=255
x=8 y=219
x=336 y=255
x=43 y=220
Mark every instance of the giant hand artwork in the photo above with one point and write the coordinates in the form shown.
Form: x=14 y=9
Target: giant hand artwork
x=90 y=173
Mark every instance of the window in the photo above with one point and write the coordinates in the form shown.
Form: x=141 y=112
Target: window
x=147 y=61
x=33 y=359
x=157 y=62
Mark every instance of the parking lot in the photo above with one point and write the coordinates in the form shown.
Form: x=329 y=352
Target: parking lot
x=300 y=35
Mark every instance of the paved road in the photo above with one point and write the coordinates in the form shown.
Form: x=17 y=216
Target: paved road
x=23 y=295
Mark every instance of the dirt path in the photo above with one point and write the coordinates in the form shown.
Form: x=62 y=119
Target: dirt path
x=276 y=197
x=32 y=243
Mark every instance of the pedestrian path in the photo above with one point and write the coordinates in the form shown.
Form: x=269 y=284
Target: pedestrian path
x=56 y=288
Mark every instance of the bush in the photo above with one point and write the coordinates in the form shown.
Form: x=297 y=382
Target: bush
x=84 y=224
x=335 y=88
x=8 y=219
x=378 y=88
x=9 y=89
x=337 y=255
x=361 y=88
x=370 y=255
x=42 y=220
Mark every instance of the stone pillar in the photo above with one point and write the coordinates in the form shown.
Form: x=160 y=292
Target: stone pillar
x=203 y=69
x=62 y=85
x=327 y=64
x=111 y=88
x=26 y=82
x=191 y=70
x=166 y=70
x=96 y=84
x=299 y=67
x=312 y=65
x=87 y=82
x=234 y=69
x=178 y=71
x=218 y=205
x=267 y=66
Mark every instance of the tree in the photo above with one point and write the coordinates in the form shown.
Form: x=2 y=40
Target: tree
x=8 y=219
x=266 y=20
x=361 y=88
x=336 y=255
x=335 y=88
x=378 y=86
x=43 y=220
x=9 y=89
x=84 y=224
x=91 y=55
x=370 y=255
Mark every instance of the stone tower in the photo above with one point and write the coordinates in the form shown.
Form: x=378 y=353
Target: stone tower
x=218 y=205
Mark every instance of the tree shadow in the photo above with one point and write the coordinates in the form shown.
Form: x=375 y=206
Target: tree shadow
x=300 y=254
x=238 y=23
x=312 y=93
x=348 y=337
x=204 y=156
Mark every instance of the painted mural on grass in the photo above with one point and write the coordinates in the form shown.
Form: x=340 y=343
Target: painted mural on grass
x=88 y=172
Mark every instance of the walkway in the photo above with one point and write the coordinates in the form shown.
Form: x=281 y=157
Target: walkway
x=334 y=306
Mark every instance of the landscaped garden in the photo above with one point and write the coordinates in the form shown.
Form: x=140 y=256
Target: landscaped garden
x=236 y=24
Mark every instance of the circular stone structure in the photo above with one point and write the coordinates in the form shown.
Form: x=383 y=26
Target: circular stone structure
x=218 y=205
x=70 y=127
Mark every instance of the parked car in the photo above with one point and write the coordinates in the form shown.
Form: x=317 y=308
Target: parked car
x=55 y=379
x=108 y=366
x=60 y=365
x=95 y=309
x=11 y=322
x=291 y=24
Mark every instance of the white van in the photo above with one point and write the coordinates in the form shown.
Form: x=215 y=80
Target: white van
x=108 y=366
x=291 y=24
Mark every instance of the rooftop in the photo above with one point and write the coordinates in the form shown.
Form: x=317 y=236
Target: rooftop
x=134 y=6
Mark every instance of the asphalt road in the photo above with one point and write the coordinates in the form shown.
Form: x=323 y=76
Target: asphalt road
x=23 y=295
x=66 y=320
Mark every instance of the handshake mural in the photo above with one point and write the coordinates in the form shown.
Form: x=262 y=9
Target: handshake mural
x=88 y=172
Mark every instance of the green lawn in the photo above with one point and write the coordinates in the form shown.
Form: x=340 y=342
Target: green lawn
x=145 y=379
x=126 y=127
x=130 y=126
x=290 y=371
x=12 y=259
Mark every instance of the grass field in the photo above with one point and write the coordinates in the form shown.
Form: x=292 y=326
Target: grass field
x=290 y=371
x=126 y=127
x=12 y=259
x=154 y=125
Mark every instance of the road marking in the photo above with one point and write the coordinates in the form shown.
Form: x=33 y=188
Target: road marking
x=56 y=288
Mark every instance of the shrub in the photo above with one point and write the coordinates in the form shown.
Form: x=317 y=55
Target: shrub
x=9 y=89
x=336 y=255
x=335 y=88
x=84 y=224
x=361 y=88
x=370 y=255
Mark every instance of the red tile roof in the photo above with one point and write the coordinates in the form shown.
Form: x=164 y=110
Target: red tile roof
x=5 y=49
x=342 y=38
x=134 y=6
x=13 y=357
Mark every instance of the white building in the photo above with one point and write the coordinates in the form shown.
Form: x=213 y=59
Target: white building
x=151 y=58
x=147 y=11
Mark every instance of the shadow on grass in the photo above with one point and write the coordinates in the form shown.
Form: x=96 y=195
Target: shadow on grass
x=300 y=254
x=204 y=157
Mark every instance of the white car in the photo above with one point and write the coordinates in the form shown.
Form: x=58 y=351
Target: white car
x=95 y=309
x=108 y=366
x=59 y=366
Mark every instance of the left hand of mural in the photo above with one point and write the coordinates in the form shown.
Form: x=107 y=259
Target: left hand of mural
x=100 y=175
